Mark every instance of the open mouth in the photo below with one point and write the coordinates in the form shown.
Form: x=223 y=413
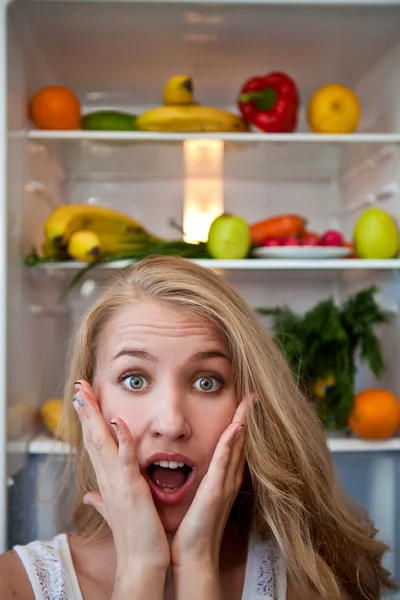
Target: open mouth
x=169 y=476
x=169 y=480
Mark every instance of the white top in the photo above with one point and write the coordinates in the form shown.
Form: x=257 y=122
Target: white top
x=52 y=575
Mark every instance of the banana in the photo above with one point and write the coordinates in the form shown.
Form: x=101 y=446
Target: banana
x=178 y=91
x=87 y=246
x=84 y=246
x=49 y=250
x=69 y=218
x=189 y=119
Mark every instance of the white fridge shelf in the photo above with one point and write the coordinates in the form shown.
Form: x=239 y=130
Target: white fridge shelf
x=252 y=137
x=254 y=264
x=45 y=444
x=251 y=155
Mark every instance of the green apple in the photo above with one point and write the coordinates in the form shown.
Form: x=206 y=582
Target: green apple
x=376 y=235
x=229 y=237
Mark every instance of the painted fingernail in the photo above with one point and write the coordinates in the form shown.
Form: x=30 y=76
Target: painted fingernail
x=114 y=424
x=77 y=398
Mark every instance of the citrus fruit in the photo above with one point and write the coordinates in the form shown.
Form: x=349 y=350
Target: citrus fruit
x=333 y=108
x=50 y=412
x=229 y=237
x=376 y=235
x=375 y=414
x=55 y=107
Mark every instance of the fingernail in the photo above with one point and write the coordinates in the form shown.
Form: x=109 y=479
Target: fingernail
x=238 y=430
x=77 y=398
x=87 y=502
x=77 y=384
x=114 y=424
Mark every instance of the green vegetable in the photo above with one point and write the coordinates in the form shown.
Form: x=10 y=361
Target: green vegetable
x=155 y=246
x=325 y=342
x=109 y=120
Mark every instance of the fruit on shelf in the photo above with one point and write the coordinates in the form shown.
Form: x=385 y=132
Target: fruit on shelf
x=280 y=226
x=375 y=414
x=271 y=242
x=181 y=114
x=84 y=245
x=190 y=119
x=332 y=237
x=87 y=246
x=178 y=91
x=334 y=108
x=109 y=120
x=50 y=413
x=324 y=386
x=376 y=235
x=70 y=218
x=49 y=250
x=229 y=237
x=310 y=239
x=270 y=102
x=55 y=107
x=291 y=240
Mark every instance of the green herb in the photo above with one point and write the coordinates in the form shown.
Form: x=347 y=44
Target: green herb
x=170 y=248
x=324 y=343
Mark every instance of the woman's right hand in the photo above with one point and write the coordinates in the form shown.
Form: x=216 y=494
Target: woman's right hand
x=124 y=499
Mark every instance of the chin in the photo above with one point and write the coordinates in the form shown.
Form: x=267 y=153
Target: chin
x=171 y=517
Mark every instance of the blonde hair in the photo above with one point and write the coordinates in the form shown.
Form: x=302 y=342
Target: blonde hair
x=328 y=543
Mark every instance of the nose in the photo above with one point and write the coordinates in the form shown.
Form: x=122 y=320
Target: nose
x=169 y=419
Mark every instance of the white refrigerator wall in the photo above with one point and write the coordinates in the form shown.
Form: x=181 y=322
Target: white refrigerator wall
x=94 y=48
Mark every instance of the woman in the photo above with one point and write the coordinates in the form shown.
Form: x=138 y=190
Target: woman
x=182 y=400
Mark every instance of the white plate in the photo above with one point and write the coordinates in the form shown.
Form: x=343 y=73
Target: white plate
x=301 y=252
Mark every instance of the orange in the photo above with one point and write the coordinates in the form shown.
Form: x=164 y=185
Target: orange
x=375 y=414
x=55 y=107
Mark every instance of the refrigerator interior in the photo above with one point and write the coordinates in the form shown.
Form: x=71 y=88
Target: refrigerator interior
x=119 y=55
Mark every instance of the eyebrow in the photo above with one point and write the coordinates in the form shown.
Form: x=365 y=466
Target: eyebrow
x=144 y=355
x=206 y=355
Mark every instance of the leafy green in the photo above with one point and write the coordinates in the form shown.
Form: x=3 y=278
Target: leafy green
x=325 y=342
x=170 y=248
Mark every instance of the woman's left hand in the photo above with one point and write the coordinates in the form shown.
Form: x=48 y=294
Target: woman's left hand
x=198 y=539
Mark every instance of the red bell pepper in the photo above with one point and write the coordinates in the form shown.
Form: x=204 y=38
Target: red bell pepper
x=270 y=103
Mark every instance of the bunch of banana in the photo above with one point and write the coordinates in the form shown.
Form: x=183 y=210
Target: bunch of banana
x=86 y=232
x=182 y=114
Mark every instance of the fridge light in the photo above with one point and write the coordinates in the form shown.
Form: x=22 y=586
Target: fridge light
x=203 y=187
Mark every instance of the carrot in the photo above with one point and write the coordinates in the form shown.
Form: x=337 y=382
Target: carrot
x=280 y=227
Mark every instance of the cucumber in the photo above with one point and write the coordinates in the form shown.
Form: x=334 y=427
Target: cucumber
x=109 y=120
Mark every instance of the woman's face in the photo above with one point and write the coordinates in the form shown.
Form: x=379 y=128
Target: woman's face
x=168 y=375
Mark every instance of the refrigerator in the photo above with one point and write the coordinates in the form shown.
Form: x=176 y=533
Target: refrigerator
x=118 y=55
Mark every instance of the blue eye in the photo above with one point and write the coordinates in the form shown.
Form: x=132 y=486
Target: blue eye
x=207 y=384
x=135 y=383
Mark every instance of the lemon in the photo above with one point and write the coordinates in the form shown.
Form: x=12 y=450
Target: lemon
x=334 y=108
x=376 y=235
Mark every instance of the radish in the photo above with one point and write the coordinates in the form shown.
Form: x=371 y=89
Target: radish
x=290 y=241
x=311 y=239
x=332 y=238
x=271 y=241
